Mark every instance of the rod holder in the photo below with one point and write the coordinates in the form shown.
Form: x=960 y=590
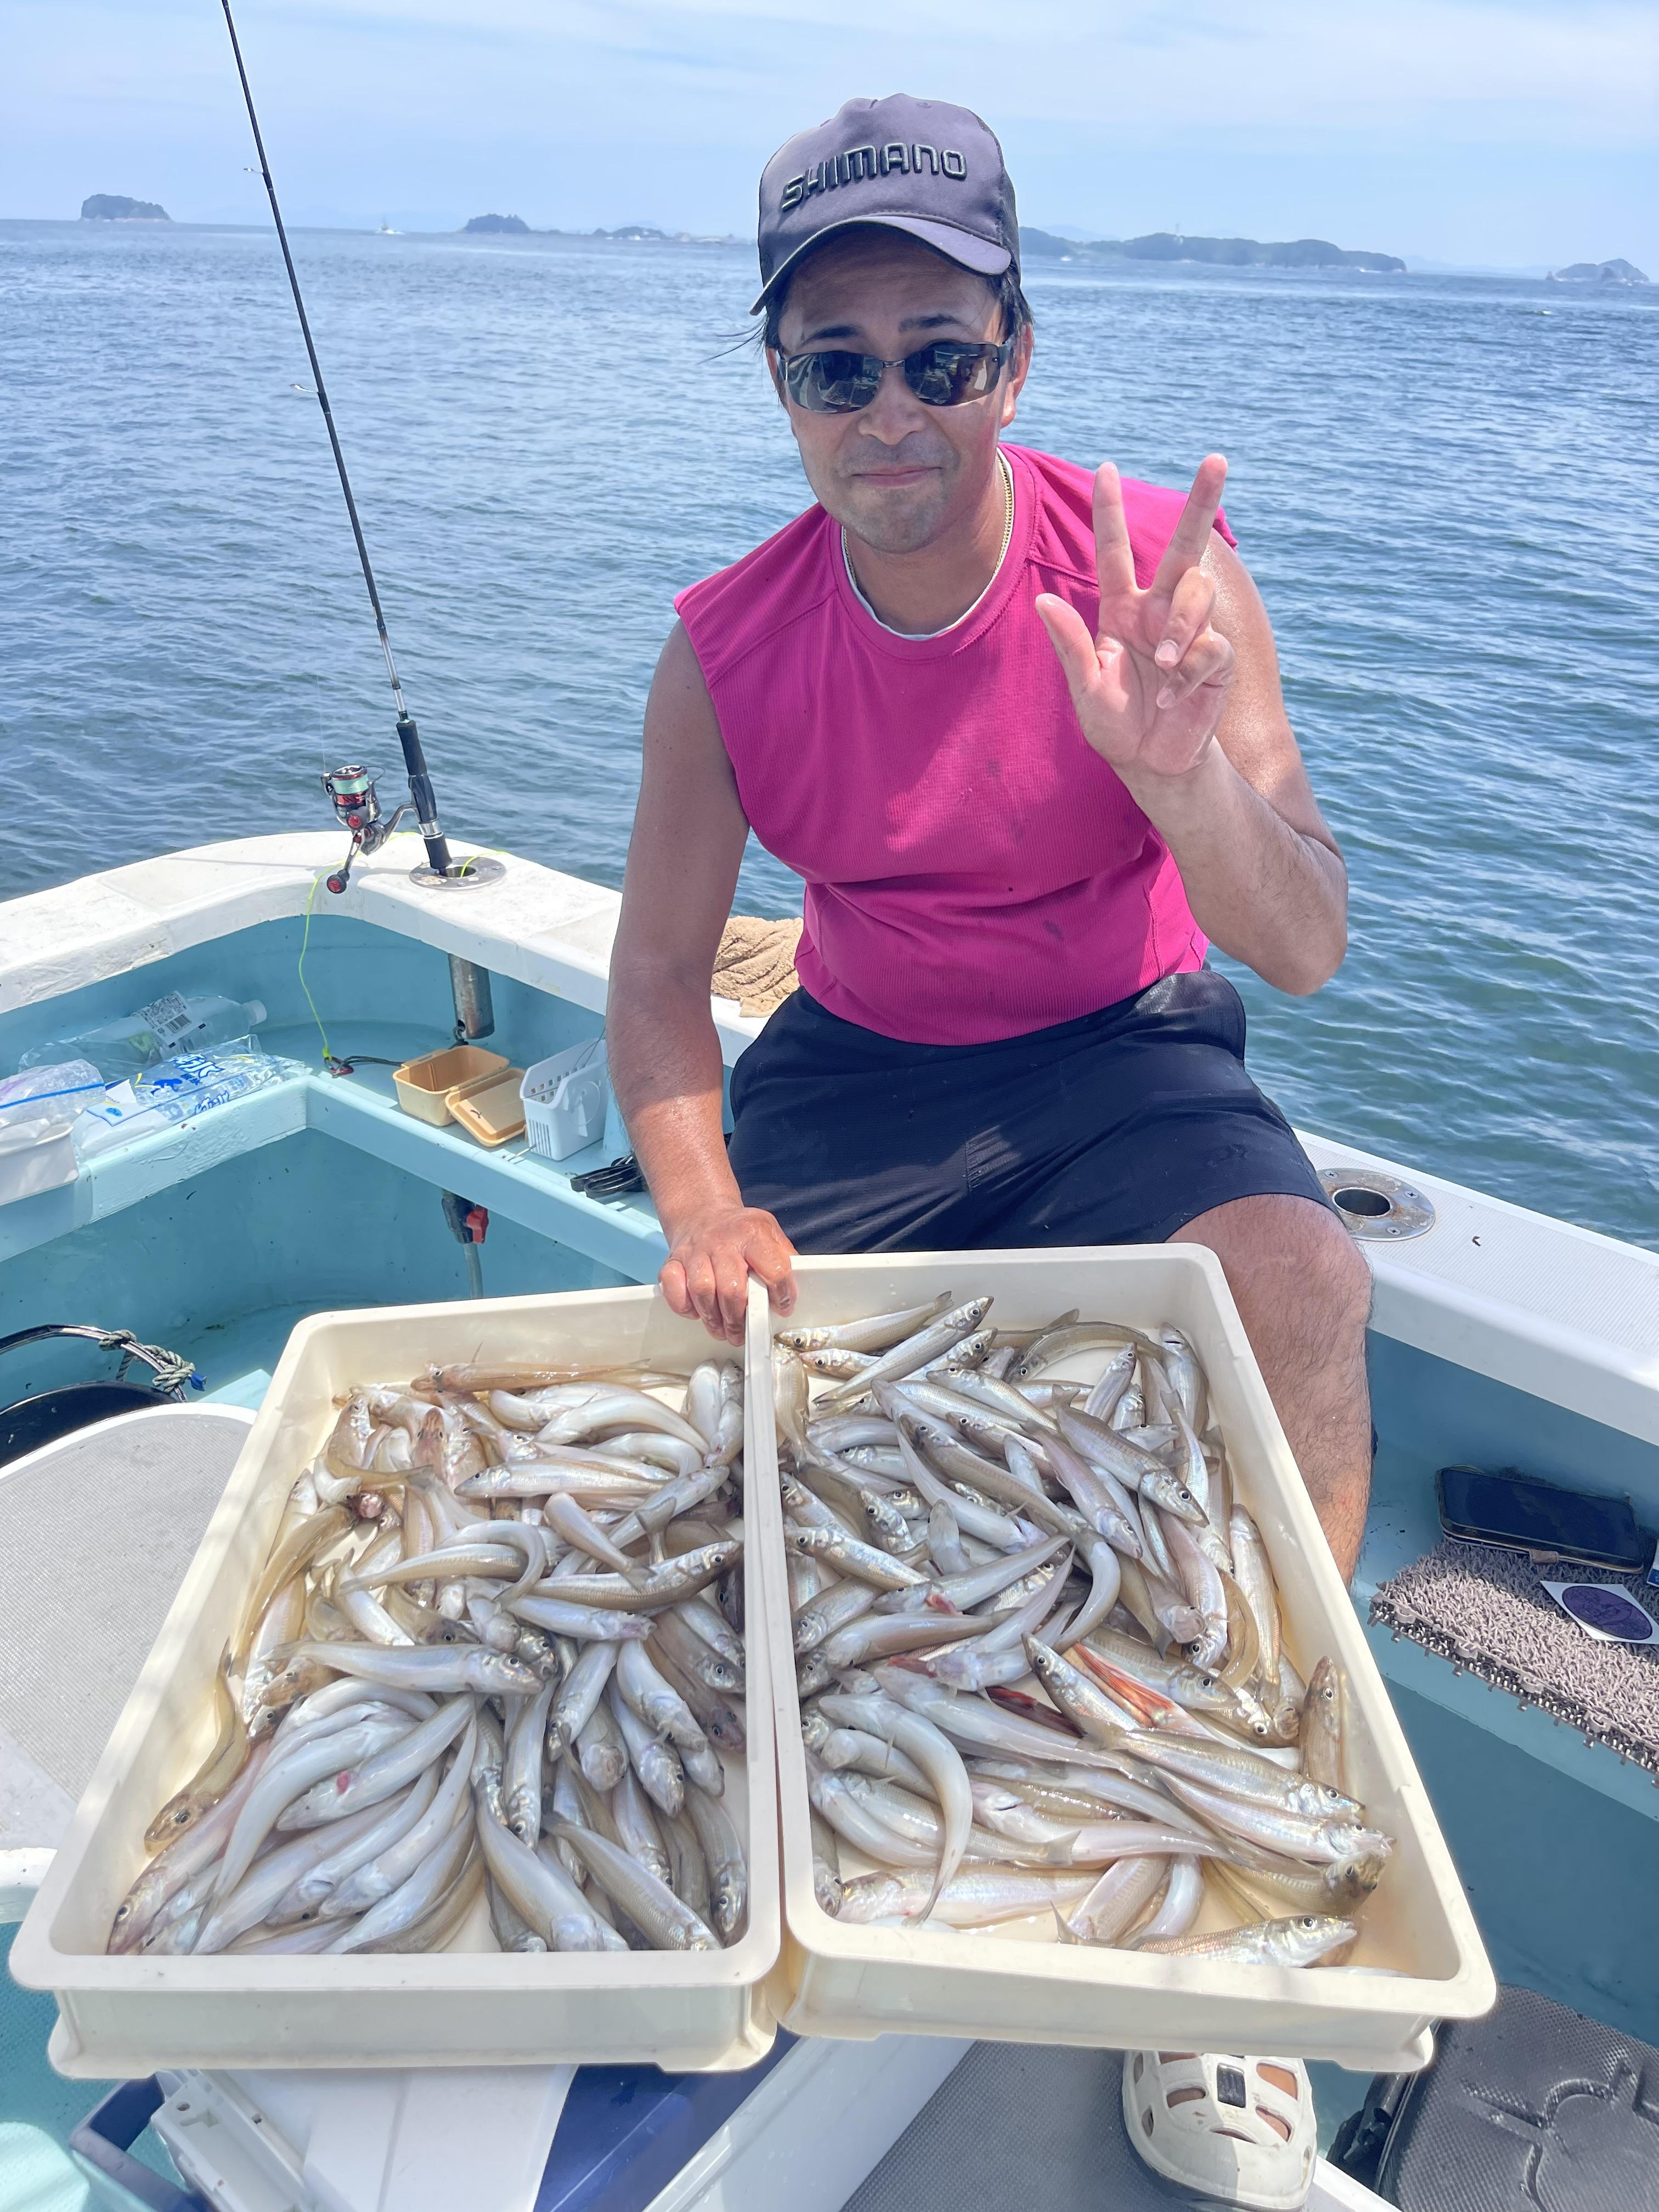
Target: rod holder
x=475 y=1010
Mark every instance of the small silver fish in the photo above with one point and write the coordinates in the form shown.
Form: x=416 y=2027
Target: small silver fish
x=1302 y=1941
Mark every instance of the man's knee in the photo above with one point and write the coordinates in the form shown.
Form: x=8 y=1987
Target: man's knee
x=1337 y=1277
x=1294 y=1266
x=1325 y=1300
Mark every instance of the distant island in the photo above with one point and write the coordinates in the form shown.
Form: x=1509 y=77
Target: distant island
x=115 y=207
x=1220 y=252
x=1598 y=272
x=1043 y=245
x=632 y=233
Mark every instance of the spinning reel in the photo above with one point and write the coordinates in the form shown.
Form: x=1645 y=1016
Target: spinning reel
x=357 y=805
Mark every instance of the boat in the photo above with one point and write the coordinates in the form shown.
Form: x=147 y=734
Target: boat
x=1499 y=1337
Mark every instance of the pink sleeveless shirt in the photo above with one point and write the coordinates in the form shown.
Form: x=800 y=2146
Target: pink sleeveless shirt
x=973 y=870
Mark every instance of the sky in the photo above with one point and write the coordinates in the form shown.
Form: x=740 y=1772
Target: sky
x=1480 y=133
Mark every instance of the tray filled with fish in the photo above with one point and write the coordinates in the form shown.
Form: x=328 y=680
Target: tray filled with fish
x=445 y=1754
x=1079 y=1738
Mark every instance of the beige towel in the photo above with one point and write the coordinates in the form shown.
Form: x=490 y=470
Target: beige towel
x=756 y=963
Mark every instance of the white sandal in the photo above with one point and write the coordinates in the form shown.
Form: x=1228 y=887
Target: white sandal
x=1236 y=2132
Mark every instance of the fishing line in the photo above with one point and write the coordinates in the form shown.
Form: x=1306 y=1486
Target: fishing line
x=332 y=1061
x=408 y=737
x=305 y=943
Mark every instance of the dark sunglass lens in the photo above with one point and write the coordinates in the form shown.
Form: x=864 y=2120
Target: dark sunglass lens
x=945 y=376
x=833 y=383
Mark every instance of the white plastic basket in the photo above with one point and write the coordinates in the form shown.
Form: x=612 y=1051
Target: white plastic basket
x=564 y=1100
x=1009 y=1985
x=462 y=2007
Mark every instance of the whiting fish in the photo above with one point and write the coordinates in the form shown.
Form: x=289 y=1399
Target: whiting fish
x=1062 y=1584
x=425 y=1703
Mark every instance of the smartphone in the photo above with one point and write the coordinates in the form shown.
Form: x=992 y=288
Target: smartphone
x=1505 y=1509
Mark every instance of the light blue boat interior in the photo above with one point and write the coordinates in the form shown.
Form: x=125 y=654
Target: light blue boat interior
x=320 y=1193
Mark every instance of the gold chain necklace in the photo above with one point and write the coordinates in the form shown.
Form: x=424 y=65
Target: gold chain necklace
x=1007 y=515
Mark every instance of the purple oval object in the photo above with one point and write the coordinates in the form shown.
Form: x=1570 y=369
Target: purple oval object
x=1609 y=1612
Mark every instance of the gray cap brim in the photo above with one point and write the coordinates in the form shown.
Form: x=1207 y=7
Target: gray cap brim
x=959 y=245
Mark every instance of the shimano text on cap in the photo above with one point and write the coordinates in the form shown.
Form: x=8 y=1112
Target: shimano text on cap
x=918 y=166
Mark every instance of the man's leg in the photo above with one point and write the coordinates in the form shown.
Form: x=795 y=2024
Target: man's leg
x=852 y=1141
x=1304 y=1295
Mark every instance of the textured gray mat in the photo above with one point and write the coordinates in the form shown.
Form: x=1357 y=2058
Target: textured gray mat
x=1483 y=1609
x=95 y=1534
x=1019 y=2130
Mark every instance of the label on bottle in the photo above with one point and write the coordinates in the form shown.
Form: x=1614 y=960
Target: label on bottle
x=169 y=1019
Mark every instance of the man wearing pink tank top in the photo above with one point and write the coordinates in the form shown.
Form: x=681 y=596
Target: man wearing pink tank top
x=1020 y=732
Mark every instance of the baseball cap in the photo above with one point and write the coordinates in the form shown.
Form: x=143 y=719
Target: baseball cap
x=918 y=166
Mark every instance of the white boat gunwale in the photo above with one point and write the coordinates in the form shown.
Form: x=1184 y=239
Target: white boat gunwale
x=1518 y=1295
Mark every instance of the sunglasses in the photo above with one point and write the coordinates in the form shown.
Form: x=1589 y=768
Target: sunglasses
x=946 y=373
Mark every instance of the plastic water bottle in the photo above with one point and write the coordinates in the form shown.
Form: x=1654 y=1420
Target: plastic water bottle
x=168 y=1026
x=211 y=1020
x=190 y=1082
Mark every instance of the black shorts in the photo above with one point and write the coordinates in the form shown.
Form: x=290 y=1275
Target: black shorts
x=1116 y=1129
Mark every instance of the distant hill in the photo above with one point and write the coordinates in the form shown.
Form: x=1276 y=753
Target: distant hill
x=1599 y=272
x=632 y=234
x=1038 y=246
x=115 y=207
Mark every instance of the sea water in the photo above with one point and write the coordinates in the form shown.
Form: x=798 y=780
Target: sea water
x=1444 y=487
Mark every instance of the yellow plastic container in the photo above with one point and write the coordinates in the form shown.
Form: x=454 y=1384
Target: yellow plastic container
x=424 y=1085
x=490 y=1108
x=1021 y=1985
x=474 y=2006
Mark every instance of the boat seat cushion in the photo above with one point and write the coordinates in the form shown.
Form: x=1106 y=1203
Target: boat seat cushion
x=1533 y=2106
x=96 y=1531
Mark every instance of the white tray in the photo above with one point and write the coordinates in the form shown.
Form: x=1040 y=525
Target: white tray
x=853 y=1981
x=127 y=2016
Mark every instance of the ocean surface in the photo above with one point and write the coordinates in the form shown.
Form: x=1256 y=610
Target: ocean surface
x=1446 y=489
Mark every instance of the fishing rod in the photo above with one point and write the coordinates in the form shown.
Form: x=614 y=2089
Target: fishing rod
x=351 y=789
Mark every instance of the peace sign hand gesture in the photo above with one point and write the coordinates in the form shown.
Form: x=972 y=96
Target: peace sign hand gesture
x=1149 y=687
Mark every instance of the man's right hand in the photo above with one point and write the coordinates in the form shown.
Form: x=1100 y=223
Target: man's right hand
x=709 y=1266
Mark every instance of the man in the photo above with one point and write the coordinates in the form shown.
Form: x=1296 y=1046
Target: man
x=1024 y=737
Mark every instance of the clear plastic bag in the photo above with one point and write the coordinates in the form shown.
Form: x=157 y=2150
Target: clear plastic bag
x=53 y=1094
x=39 y=1107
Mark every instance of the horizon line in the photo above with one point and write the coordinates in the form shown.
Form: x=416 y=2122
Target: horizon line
x=1426 y=264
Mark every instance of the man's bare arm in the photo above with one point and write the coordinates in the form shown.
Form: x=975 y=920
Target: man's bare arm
x=1178 y=691
x=1261 y=870
x=683 y=861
